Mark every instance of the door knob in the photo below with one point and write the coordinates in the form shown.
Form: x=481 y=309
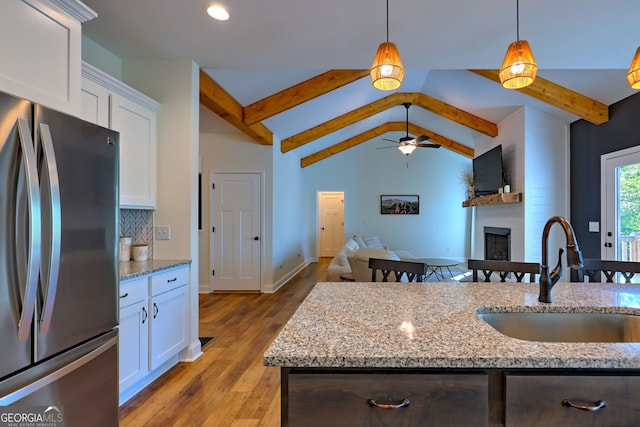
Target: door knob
x=256 y=238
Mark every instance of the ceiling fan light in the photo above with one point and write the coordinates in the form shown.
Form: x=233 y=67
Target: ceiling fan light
x=633 y=76
x=387 y=70
x=407 y=148
x=519 y=67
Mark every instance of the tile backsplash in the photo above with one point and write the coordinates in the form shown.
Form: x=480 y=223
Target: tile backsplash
x=137 y=224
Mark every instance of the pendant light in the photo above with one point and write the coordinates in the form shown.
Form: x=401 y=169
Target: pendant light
x=519 y=66
x=387 y=70
x=633 y=76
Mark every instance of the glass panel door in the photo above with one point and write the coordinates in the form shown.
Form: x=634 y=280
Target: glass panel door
x=620 y=234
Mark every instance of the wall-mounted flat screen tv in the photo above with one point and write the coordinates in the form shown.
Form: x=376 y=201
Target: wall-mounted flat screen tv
x=487 y=172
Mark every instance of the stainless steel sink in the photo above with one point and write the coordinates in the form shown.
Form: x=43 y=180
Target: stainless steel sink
x=566 y=327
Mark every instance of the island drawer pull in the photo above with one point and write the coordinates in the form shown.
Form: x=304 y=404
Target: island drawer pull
x=404 y=404
x=585 y=406
x=126 y=294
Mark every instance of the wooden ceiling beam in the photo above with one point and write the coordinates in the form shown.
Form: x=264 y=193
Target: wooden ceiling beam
x=559 y=97
x=438 y=107
x=344 y=120
x=452 y=145
x=300 y=93
x=457 y=115
x=380 y=130
x=220 y=102
x=345 y=145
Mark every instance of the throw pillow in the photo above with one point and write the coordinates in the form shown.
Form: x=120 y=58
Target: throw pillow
x=351 y=246
x=373 y=242
x=360 y=241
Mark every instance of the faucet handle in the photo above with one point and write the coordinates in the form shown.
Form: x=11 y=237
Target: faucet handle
x=557 y=270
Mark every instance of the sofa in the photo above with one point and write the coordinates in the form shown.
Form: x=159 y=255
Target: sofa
x=353 y=258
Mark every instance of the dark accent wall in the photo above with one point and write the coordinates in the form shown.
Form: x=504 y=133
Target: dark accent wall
x=588 y=143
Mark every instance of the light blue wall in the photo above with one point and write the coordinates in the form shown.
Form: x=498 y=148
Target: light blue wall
x=101 y=58
x=442 y=229
x=289 y=247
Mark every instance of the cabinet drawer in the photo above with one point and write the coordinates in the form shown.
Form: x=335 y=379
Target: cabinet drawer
x=133 y=290
x=538 y=400
x=343 y=399
x=170 y=279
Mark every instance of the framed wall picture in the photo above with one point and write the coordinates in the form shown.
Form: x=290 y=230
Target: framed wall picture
x=399 y=204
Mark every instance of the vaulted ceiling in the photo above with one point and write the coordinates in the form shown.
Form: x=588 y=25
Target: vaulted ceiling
x=296 y=70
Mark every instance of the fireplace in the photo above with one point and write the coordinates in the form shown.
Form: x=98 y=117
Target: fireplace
x=497 y=243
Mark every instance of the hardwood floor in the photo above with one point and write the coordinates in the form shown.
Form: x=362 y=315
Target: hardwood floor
x=228 y=385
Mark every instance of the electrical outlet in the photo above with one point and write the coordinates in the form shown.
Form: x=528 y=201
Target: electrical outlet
x=163 y=232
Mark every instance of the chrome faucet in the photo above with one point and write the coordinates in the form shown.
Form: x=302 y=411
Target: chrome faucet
x=574 y=257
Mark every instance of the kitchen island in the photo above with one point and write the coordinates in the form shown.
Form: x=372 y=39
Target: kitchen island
x=352 y=346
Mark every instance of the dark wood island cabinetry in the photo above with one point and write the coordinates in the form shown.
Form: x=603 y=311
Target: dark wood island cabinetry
x=425 y=357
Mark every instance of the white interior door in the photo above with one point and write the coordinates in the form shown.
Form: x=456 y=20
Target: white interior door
x=237 y=231
x=620 y=177
x=331 y=214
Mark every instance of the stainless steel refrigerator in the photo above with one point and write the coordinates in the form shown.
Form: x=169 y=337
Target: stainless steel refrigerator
x=58 y=264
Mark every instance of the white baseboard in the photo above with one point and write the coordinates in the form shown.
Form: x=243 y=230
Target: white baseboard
x=191 y=352
x=270 y=288
x=273 y=287
x=204 y=288
x=126 y=395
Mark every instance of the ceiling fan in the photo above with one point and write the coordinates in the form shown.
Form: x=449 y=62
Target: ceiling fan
x=407 y=143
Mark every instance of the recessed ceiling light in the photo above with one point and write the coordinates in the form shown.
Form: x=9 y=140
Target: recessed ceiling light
x=218 y=12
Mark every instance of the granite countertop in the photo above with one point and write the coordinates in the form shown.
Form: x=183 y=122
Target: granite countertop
x=435 y=325
x=132 y=269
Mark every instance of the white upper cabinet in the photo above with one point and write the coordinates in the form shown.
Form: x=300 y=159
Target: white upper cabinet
x=41 y=59
x=110 y=103
x=95 y=103
x=137 y=127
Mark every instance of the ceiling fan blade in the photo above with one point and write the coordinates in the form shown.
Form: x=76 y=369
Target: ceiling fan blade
x=429 y=145
x=407 y=138
x=421 y=138
x=390 y=140
x=390 y=146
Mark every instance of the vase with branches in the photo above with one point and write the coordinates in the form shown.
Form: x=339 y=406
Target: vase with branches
x=466 y=179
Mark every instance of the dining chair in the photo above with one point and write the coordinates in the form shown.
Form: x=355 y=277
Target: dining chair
x=414 y=271
x=593 y=268
x=503 y=269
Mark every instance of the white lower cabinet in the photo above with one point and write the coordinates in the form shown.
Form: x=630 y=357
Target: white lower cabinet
x=154 y=318
x=133 y=353
x=168 y=325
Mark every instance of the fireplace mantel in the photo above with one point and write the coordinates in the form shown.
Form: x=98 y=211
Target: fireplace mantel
x=493 y=199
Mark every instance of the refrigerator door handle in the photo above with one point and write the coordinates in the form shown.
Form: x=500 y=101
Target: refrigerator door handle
x=50 y=268
x=30 y=281
x=50 y=378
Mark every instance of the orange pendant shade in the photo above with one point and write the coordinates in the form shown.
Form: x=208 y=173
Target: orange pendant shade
x=387 y=70
x=519 y=67
x=633 y=76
